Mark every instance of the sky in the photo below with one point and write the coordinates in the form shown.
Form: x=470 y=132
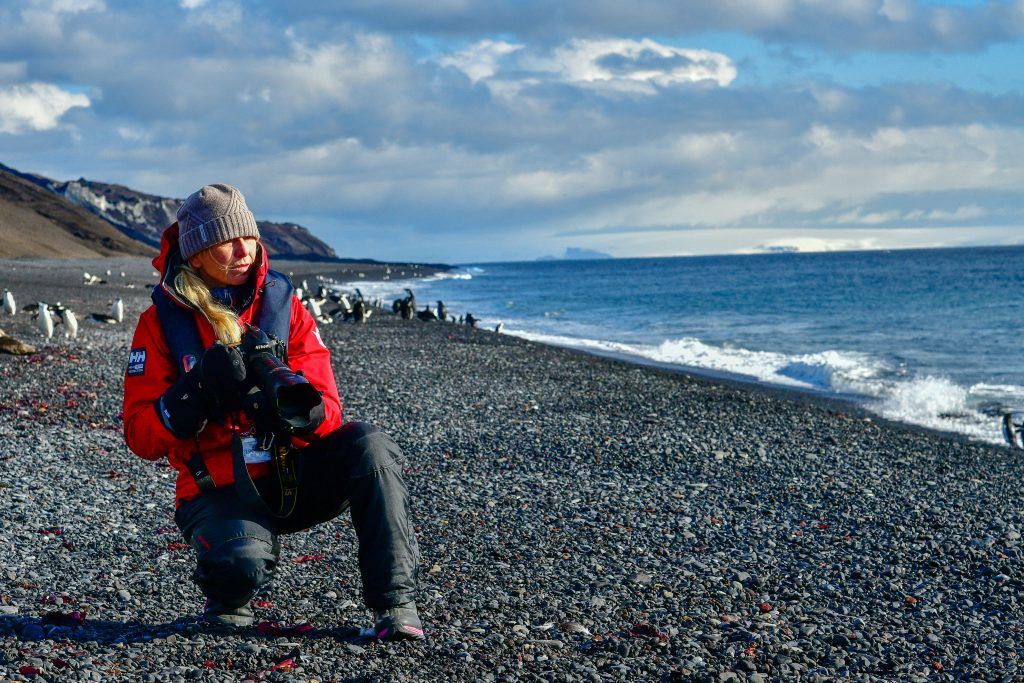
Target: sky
x=486 y=130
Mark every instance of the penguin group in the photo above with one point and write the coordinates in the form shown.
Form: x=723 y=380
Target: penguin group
x=47 y=316
x=330 y=305
x=57 y=319
x=89 y=279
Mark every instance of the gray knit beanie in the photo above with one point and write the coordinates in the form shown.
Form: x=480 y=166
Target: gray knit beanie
x=214 y=214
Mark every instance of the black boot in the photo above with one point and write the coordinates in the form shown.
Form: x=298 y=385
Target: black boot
x=221 y=615
x=400 y=622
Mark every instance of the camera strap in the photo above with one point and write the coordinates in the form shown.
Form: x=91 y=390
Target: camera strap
x=284 y=459
x=197 y=466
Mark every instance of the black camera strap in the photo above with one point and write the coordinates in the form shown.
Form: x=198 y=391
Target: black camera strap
x=197 y=466
x=285 y=463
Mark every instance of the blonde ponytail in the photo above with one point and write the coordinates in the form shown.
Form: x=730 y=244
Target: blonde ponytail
x=194 y=290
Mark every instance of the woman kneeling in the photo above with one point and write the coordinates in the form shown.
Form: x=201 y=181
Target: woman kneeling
x=229 y=380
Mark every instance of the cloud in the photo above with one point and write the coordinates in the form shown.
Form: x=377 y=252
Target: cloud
x=839 y=26
x=35 y=106
x=221 y=16
x=624 y=62
x=46 y=17
x=12 y=71
x=481 y=59
x=65 y=6
x=554 y=131
x=629 y=65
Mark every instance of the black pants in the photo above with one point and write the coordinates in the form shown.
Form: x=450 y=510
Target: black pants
x=357 y=467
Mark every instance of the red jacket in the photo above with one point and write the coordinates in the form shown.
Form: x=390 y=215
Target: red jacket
x=144 y=431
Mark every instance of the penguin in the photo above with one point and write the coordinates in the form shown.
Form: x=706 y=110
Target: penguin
x=9 y=303
x=498 y=327
x=117 y=310
x=67 y=317
x=313 y=307
x=45 y=321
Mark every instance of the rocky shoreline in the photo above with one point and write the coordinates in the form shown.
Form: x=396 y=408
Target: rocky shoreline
x=579 y=518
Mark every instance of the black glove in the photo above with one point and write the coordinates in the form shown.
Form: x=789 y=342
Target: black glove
x=207 y=391
x=256 y=342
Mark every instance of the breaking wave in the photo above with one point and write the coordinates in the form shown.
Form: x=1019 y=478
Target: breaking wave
x=932 y=402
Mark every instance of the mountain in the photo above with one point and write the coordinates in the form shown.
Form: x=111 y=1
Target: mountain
x=37 y=223
x=143 y=217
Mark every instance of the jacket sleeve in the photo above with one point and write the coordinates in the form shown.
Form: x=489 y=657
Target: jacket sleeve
x=149 y=373
x=306 y=352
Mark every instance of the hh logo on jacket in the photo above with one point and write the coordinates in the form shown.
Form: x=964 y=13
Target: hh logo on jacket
x=136 y=362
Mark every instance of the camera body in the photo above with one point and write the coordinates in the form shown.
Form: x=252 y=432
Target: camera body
x=282 y=402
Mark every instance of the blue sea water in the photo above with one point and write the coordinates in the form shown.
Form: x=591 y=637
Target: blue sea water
x=928 y=337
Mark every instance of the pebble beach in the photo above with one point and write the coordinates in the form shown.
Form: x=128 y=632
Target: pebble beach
x=579 y=519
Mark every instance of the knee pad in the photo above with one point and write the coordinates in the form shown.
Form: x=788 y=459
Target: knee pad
x=233 y=571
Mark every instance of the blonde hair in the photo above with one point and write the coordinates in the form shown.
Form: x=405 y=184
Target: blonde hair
x=194 y=289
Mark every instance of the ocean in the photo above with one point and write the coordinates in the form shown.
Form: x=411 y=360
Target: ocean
x=926 y=337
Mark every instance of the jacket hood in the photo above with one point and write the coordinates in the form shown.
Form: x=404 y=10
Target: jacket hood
x=169 y=260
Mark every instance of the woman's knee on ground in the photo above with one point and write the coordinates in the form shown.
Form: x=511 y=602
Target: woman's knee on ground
x=234 y=571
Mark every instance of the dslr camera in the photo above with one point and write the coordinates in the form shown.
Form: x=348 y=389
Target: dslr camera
x=282 y=402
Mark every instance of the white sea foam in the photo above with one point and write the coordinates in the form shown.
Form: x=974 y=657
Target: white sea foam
x=937 y=403
x=997 y=391
x=932 y=402
x=389 y=290
x=446 y=276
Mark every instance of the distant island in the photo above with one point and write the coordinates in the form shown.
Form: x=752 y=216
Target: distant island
x=778 y=249
x=577 y=253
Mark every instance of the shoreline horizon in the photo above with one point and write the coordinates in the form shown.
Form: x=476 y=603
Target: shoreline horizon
x=374 y=274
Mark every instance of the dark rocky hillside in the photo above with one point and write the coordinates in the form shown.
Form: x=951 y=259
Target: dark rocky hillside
x=37 y=223
x=143 y=217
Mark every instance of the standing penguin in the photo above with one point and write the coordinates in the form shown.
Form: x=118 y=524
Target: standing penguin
x=9 y=303
x=117 y=310
x=313 y=307
x=67 y=316
x=45 y=320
